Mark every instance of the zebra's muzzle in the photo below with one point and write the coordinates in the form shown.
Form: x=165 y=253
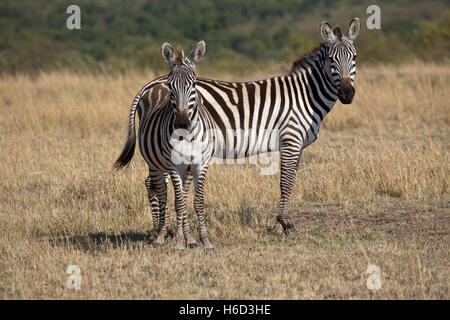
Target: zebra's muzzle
x=182 y=120
x=346 y=91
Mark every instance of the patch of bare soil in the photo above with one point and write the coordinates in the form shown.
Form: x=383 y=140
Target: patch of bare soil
x=395 y=218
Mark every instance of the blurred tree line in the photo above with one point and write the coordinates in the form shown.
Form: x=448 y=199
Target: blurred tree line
x=117 y=35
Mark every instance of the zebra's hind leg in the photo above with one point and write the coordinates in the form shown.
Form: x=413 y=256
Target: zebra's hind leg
x=186 y=228
x=153 y=200
x=289 y=163
x=154 y=207
x=160 y=188
x=199 y=207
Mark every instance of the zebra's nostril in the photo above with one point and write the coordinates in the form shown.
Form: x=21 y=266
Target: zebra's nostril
x=346 y=90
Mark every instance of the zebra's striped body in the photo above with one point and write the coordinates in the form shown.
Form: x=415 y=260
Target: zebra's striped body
x=291 y=107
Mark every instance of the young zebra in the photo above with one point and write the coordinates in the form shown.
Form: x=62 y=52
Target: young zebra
x=175 y=140
x=291 y=107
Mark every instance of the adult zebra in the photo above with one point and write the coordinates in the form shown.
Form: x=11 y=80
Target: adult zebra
x=291 y=106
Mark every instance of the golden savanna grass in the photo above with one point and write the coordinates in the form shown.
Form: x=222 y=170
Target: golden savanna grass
x=373 y=189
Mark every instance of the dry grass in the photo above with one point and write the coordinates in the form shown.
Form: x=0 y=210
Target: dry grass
x=373 y=189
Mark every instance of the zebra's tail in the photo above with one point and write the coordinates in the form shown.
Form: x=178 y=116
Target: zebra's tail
x=130 y=144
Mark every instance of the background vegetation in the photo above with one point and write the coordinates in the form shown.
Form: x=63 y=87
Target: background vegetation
x=241 y=36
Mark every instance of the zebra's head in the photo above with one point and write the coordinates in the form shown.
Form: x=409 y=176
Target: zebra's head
x=181 y=81
x=341 y=58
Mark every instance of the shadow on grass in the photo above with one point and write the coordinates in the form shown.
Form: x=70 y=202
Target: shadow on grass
x=102 y=240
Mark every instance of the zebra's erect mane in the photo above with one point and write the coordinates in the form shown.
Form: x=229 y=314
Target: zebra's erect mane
x=179 y=56
x=306 y=56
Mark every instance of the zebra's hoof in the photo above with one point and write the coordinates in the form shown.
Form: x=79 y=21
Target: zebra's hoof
x=208 y=246
x=192 y=245
x=160 y=241
x=289 y=232
x=179 y=247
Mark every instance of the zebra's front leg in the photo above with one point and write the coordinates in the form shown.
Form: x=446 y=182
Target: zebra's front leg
x=180 y=209
x=186 y=228
x=169 y=223
x=199 y=207
x=289 y=164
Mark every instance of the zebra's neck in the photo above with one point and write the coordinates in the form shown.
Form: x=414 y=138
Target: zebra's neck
x=317 y=59
x=312 y=70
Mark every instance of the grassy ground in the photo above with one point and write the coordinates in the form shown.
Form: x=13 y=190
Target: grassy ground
x=372 y=190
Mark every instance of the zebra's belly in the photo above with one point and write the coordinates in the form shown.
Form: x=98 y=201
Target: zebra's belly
x=245 y=144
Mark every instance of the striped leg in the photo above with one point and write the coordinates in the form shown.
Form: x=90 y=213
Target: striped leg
x=153 y=200
x=289 y=162
x=186 y=228
x=154 y=207
x=180 y=209
x=199 y=207
x=160 y=187
x=186 y=185
x=169 y=223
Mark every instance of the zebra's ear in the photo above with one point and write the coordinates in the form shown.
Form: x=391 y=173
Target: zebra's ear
x=167 y=53
x=353 y=29
x=326 y=32
x=197 y=54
